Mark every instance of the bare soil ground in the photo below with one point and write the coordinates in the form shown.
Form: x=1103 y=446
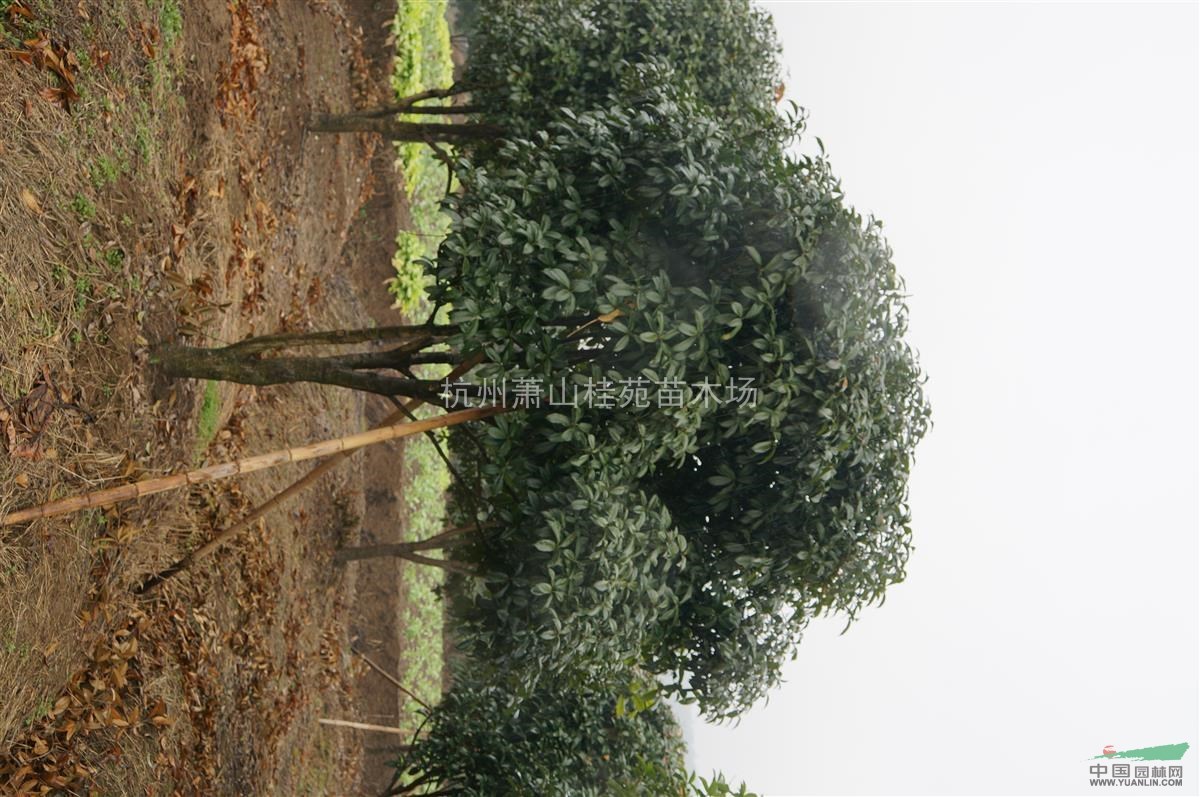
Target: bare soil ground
x=180 y=196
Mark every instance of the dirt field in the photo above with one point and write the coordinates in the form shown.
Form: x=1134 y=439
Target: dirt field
x=157 y=184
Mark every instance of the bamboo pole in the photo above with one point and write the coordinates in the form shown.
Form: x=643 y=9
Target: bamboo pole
x=239 y=467
x=363 y=726
x=296 y=487
x=336 y=455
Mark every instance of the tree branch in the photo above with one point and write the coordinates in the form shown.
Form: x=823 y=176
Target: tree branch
x=339 y=337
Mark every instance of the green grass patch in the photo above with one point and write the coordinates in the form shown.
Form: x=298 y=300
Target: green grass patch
x=83 y=293
x=209 y=418
x=115 y=259
x=84 y=207
x=105 y=170
x=143 y=140
x=422 y=62
x=425 y=499
x=170 y=22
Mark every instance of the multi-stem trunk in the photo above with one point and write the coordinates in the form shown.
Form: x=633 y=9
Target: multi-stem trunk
x=383 y=120
x=226 y=366
x=260 y=361
x=250 y=362
x=424 y=132
x=412 y=550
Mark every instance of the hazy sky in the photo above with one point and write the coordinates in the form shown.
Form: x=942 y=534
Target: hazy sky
x=1036 y=170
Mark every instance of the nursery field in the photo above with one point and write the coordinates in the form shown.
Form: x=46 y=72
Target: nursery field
x=156 y=179
x=629 y=374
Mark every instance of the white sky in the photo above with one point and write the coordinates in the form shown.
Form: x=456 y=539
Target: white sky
x=1036 y=169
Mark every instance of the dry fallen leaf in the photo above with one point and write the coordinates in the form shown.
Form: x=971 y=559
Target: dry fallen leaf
x=24 y=56
x=31 y=202
x=21 y=480
x=46 y=53
x=57 y=96
x=10 y=434
x=19 y=9
x=100 y=57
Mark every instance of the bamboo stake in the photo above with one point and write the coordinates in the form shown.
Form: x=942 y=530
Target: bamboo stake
x=363 y=726
x=224 y=470
x=296 y=487
x=388 y=676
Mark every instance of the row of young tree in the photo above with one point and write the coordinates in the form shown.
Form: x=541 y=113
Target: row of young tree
x=630 y=212
x=561 y=740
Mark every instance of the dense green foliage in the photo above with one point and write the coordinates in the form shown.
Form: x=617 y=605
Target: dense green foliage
x=580 y=579
x=486 y=740
x=528 y=59
x=812 y=517
x=716 y=529
x=571 y=204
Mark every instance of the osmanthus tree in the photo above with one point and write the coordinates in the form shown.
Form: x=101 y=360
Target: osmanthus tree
x=730 y=263
x=485 y=740
x=529 y=58
x=650 y=247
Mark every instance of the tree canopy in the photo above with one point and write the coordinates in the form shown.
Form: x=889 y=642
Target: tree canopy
x=719 y=527
x=737 y=409
x=529 y=59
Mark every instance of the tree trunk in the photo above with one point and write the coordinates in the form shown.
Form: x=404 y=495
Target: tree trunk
x=339 y=337
x=154 y=581
x=439 y=540
x=441 y=110
x=400 y=550
x=425 y=132
x=248 y=362
x=355 y=554
x=233 y=365
x=409 y=103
